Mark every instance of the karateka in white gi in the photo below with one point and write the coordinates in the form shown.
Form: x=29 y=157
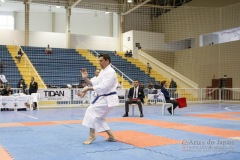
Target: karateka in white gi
x=105 y=87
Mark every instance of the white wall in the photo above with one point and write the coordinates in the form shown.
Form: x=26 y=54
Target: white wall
x=38 y=21
x=127 y=41
x=94 y=42
x=60 y=22
x=150 y=41
x=115 y=25
x=92 y=24
x=42 y=39
x=91 y=29
x=58 y=40
x=8 y=37
x=86 y=23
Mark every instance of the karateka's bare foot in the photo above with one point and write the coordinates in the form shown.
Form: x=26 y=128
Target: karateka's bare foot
x=89 y=140
x=111 y=140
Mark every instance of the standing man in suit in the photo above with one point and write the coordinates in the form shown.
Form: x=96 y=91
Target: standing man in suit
x=135 y=95
x=33 y=89
x=173 y=88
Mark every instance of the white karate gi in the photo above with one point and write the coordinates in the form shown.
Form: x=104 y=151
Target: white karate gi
x=105 y=83
x=93 y=93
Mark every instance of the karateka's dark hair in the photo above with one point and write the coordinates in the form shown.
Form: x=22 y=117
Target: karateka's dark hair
x=106 y=57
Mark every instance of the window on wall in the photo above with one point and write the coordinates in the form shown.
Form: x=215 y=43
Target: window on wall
x=6 y=22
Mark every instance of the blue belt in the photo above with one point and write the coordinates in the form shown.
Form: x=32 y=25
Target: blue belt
x=111 y=93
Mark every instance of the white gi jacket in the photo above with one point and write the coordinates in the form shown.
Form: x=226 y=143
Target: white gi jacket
x=105 y=83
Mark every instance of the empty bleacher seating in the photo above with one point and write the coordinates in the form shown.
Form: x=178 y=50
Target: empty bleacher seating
x=10 y=69
x=60 y=68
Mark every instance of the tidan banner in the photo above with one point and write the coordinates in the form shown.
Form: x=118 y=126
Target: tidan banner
x=58 y=94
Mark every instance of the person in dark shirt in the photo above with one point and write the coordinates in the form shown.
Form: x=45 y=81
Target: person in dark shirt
x=20 y=54
x=7 y=91
x=33 y=89
x=48 y=50
x=173 y=88
x=22 y=86
x=135 y=95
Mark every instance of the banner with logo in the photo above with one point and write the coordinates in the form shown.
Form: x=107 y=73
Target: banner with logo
x=55 y=94
x=7 y=102
x=15 y=101
x=85 y=99
x=22 y=101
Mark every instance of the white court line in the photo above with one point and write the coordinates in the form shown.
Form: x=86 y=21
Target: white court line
x=27 y=115
x=237 y=138
x=227 y=108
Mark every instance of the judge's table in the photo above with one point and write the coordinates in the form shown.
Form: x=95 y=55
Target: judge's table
x=16 y=101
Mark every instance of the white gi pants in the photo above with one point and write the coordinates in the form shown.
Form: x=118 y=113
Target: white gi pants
x=95 y=115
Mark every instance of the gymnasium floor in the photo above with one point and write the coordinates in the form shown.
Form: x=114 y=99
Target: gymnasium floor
x=197 y=132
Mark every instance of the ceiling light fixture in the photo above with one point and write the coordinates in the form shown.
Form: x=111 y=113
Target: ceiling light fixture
x=129 y=1
x=58 y=6
x=2 y=0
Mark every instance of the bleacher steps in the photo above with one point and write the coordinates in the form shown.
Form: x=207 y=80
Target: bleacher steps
x=25 y=67
x=91 y=58
x=153 y=74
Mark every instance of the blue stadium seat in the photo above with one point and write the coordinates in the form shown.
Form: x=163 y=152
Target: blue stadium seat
x=131 y=70
x=10 y=69
x=60 y=68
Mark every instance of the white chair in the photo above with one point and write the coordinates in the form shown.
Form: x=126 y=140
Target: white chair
x=164 y=103
x=133 y=105
x=35 y=98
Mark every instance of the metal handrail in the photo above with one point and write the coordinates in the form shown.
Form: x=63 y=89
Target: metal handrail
x=122 y=73
x=169 y=70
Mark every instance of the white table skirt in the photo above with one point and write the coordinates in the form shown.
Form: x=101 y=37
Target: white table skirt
x=15 y=102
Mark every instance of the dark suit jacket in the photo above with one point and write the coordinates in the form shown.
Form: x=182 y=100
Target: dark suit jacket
x=166 y=93
x=33 y=87
x=140 y=94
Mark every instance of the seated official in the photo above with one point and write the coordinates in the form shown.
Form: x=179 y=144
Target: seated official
x=135 y=95
x=7 y=91
x=168 y=99
x=21 y=86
